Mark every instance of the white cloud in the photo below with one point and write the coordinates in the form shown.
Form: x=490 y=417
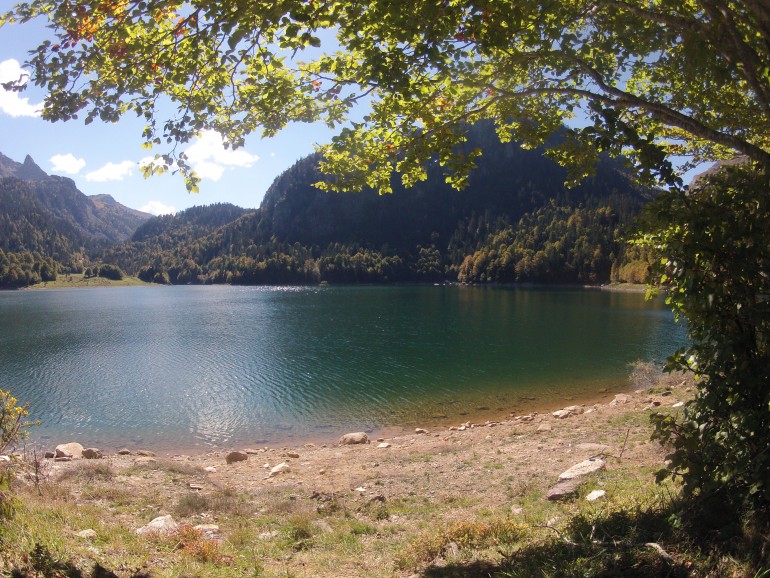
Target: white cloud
x=112 y=172
x=158 y=208
x=209 y=158
x=68 y=164
x=10 y=102
x=209 y=170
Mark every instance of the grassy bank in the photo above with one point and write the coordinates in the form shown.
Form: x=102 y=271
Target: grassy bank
x=462 y=502
x=80 y=280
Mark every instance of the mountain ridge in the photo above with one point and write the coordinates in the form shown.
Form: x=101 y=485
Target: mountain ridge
x=515 y=222
x=48 y=216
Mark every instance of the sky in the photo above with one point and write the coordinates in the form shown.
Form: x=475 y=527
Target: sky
x=104 y=158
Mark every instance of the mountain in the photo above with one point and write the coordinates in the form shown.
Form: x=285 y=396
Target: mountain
x=508 y=181
x=170 y=233
x=515 y=222
x=49 y=215
x=187 y=225
x=123 y=220
x=27 y=171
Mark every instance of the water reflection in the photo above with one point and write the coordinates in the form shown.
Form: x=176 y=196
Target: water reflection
x=199 y=367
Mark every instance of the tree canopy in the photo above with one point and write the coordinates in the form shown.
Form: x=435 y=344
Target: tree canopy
x=655 y=79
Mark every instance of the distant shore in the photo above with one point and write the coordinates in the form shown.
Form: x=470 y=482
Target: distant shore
x=79 y=281
x=625 y=287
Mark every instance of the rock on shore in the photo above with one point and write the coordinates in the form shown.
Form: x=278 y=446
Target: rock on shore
x=354 y=438
x=72 y=450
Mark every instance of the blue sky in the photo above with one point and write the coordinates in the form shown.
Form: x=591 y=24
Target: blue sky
x=103 y=158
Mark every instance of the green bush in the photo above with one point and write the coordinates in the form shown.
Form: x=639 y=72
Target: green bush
x=13 y=429
x=13 y=423
x=112 y=272
x=714 y=244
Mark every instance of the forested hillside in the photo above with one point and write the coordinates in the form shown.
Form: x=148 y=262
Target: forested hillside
x=160 y=249
x=48 y=226
x=516 y=222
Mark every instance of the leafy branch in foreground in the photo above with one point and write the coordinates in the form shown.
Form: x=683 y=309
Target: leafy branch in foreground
x=692 y=80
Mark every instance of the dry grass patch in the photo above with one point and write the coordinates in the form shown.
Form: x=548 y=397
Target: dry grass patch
x=191 y=504
x=86 y=472
x=451 y=540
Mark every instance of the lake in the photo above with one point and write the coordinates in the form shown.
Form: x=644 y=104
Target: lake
x=197 y=368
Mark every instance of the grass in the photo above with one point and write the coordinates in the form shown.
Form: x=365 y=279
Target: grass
x=78 y=280
x=579 y=538
x=88 y=472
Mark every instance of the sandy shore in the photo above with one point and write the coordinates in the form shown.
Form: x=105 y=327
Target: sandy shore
x=440 y=461
x=533 y=446
x=499 y=408
x=345 y=511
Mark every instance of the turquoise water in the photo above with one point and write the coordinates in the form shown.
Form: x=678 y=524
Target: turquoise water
x=196 y=368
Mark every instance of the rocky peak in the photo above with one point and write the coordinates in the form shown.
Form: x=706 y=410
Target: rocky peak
x=8 y=167
x=29 y=171
x=103 y=200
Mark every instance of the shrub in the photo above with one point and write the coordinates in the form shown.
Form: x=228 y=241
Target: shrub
x=112 y=272
x=13 y=424
x=191 y=504
x=194 y=543
x=715 y=263
x=465 y=534
x=13 y=429
x=88 y=472
x=299 y=532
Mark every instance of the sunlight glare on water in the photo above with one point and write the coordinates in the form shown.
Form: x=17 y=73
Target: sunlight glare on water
x=195 y=368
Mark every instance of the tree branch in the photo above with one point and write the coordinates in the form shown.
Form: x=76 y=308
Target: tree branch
x=672 y=117
x=732 y=45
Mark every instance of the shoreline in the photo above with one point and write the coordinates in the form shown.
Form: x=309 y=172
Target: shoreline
x=132 y=281
x=392 y=508
x=474 y=414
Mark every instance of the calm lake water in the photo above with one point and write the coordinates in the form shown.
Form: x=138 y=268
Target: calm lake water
x=196 y=368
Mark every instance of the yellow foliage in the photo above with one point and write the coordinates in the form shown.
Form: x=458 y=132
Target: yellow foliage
x=12 y=420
